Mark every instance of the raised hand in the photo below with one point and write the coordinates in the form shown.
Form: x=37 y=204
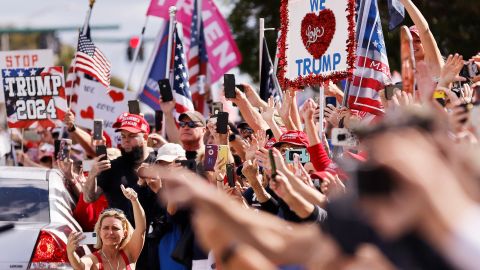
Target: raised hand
x=69 y=119
x=269 y=113
x=281 y=186
x=308 y=110
x=466 y=94
x=168 y=106
x=99 y=166
x=66 y=167
x=450 y=70
x=332 y=115
x=129 y=193
x=284 y=108
x=73 y=241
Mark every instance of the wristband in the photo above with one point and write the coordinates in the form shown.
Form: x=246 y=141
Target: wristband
x=228 y=253
x=72 y=129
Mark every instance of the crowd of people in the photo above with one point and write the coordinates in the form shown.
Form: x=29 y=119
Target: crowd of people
x=405 y=196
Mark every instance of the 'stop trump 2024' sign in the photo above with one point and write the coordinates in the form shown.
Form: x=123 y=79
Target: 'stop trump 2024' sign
x=317 y=41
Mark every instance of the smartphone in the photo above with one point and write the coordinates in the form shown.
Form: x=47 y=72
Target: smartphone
x=331 y=100
x=230 y=175
x=64 y=149
x=213 y=153
x=101 y=150
x=31 y=135
x=87 y=165
x=165 y=90
x=90 y=238
x=222 y=122
x=229 y=85
x=272 y=164
x=391 y=89
x=190 y=164
x=134 y=107
x=240 y=87
x=98 y=129
x=56 y=146
x=158 y=120
x=343 y=137
x=304 y=157
x=217 y=107
x=440 y=96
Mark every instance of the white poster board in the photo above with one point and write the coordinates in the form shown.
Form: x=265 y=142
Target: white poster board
x=94 y=102
x=317 y=41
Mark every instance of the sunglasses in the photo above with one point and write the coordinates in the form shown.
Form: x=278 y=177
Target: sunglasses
x=190 y=124
x=120 y=211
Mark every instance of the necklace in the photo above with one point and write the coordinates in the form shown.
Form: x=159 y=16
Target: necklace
x=111 y=267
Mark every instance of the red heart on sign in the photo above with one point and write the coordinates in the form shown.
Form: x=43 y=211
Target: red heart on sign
x=116 y=96
x=317 y=32
x=87 y=114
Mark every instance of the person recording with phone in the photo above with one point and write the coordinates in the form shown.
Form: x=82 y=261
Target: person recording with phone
x=118 y=242
x=106 y=176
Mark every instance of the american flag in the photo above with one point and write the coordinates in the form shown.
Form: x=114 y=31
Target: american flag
x=151 y=92
x=181 y=87
x=90 y=60
x=197 y=61
x=268 y=87
x=372 y=71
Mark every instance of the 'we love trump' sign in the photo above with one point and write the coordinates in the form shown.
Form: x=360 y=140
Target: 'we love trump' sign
x=317 y=41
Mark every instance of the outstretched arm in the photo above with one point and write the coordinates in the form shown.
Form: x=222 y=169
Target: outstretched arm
x=135 y=245
x=433 y=57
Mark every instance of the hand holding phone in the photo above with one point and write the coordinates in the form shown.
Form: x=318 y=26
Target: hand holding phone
x=90 y=238
x=222 y=122
x=231 y=175
x=165 y=90
x=229 y=85
x=134 y=107
x=101 y=150
x=98 y=129
x=273 y=166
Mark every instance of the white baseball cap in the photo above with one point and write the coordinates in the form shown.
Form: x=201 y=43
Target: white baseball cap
x=169 y=152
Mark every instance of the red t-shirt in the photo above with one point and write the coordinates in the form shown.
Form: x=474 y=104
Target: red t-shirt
x=87 y=213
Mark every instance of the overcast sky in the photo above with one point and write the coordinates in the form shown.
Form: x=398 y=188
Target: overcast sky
x=129 y=15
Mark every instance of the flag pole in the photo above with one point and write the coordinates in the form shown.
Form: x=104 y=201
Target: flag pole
x=261 y=24
x=275 y=66
x=321 y=104
x=136 y=53
x=84 y=32
x=172 y=10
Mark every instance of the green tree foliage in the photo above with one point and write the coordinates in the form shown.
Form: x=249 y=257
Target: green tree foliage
x=453 y=23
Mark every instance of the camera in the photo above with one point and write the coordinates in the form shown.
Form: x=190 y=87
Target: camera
x=343 y=137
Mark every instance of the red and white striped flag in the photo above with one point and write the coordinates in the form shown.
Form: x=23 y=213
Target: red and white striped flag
x=90 y=60
x=197 y=62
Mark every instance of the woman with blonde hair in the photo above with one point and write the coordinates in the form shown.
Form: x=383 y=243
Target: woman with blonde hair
x=118 y=243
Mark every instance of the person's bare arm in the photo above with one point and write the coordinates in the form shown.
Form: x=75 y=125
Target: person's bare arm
x=250 y=171
x=135 y=245
x=294 y=110
x=268 y=115
x=310 y=128
x=253 y=97
x=91 y=191
x=170 y=123
x=433 y=57
x=79 y=135
x=251 y=116
x=248 y=258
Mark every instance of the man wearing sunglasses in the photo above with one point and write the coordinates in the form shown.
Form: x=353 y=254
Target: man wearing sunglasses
x=192 y=129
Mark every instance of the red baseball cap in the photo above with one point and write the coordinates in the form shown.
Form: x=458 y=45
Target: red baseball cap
x=414 y=30
x=294 y=137
x=269 y=144
x=133 y=123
